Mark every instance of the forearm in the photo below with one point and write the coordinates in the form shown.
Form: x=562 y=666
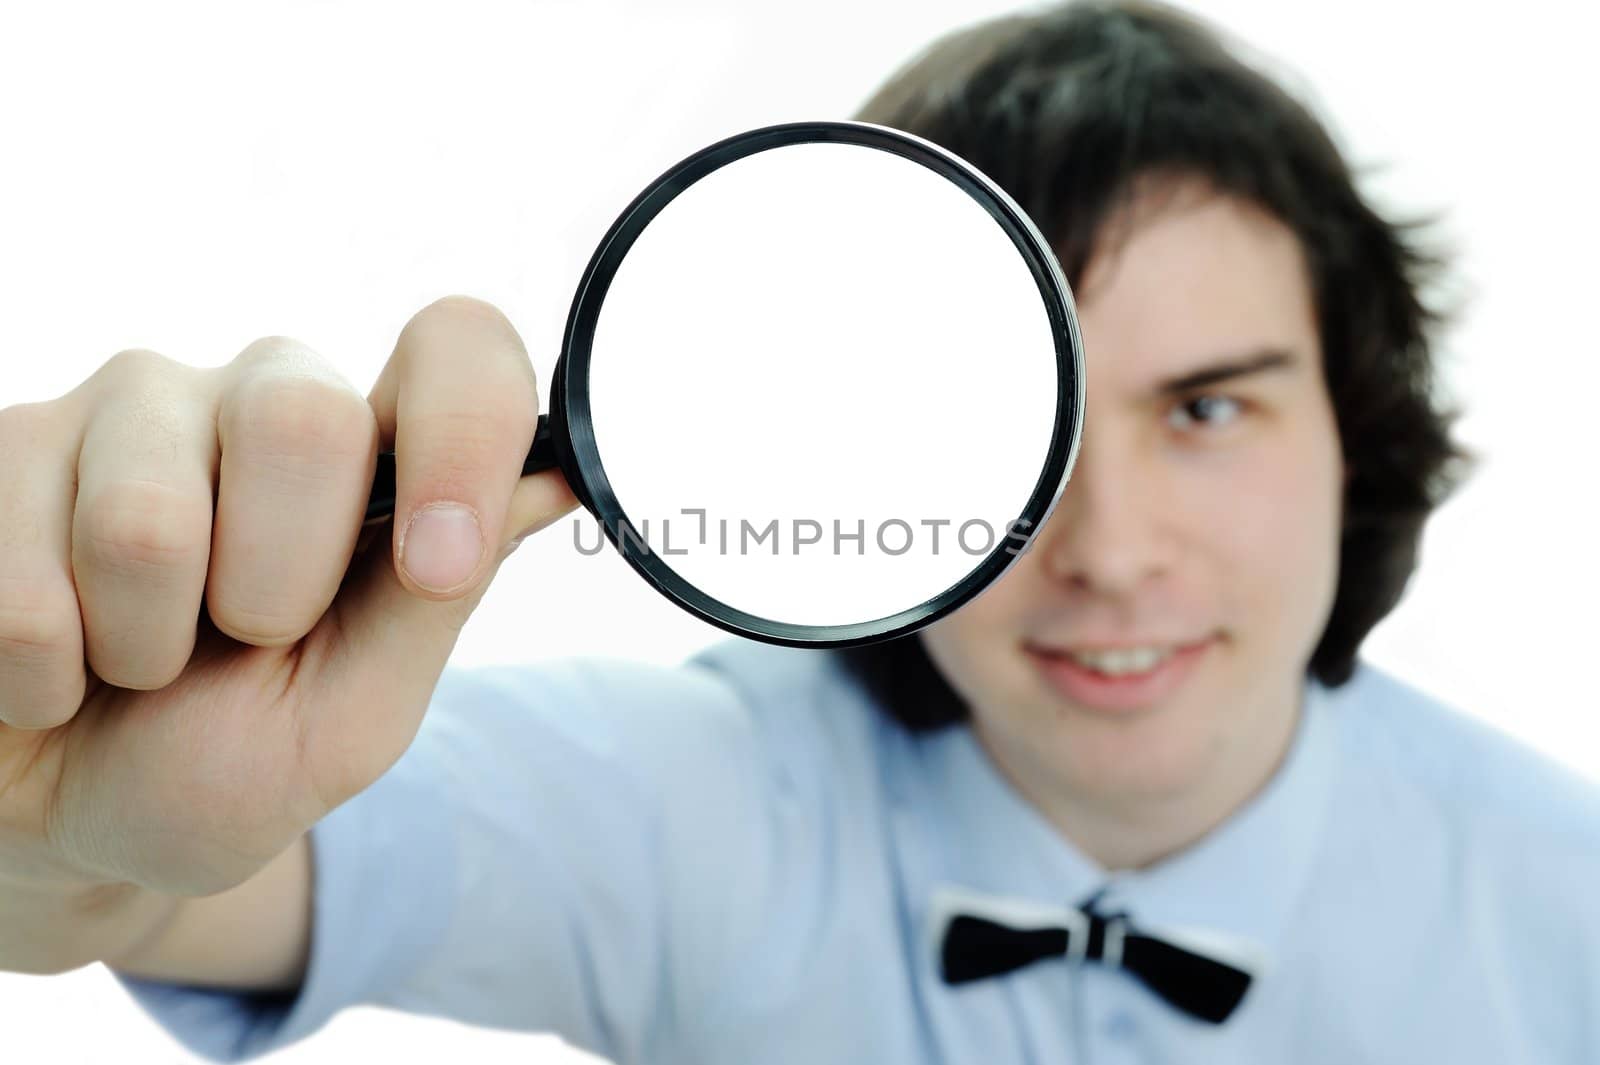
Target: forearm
x=256 y=936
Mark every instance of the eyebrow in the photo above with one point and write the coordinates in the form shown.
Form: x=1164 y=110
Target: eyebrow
x=1262 y=361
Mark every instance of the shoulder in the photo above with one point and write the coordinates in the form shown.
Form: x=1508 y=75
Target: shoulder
x=1468 y=780
x=1472 y=856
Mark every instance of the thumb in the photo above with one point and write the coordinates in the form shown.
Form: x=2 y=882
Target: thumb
x=381 y=601
x=394 y=644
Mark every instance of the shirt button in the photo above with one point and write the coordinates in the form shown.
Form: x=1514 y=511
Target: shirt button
x=1120 y=1025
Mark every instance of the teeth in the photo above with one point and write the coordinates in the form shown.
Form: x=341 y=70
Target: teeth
x=1122 y=661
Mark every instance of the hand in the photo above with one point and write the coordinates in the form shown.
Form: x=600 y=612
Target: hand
x=196 y=661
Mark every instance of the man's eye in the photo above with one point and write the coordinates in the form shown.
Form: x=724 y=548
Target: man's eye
x=1208 y=411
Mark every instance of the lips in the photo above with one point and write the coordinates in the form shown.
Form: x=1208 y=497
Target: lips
x=1118 y=679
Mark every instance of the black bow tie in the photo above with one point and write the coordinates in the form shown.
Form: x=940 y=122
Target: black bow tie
x=974 y=947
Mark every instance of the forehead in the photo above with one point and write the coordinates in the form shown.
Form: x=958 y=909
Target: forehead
x=1185 y=273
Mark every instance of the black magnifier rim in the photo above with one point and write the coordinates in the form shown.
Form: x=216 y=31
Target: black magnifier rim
x=570 y=392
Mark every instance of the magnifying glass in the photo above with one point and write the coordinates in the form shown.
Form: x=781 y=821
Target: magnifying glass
x=820 y=385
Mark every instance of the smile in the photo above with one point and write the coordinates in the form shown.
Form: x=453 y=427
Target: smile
x=1122 y=662
x=1118 y=679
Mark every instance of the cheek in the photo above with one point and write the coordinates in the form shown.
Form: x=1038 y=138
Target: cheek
x=1271 y=515
x=974 y=646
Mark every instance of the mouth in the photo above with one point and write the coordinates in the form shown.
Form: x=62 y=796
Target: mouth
x=1118 y=679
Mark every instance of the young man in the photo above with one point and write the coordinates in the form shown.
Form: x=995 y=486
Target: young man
x=1138 y=802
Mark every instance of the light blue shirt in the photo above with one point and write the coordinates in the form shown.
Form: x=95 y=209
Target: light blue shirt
x=733 y=862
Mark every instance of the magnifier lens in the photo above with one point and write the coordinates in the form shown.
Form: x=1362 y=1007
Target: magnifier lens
x=823 y=383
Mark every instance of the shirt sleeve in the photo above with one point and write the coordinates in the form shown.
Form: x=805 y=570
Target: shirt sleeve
x=565 y=848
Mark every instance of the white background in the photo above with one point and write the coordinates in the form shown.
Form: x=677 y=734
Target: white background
x=191 y=177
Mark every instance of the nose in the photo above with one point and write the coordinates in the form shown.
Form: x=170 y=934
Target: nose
x=1108 y=534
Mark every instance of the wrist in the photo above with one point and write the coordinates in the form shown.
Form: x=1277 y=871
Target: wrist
x=53 y=928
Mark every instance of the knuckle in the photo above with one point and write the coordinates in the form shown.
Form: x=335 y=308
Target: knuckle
x=257 y=624
x=510 y=416
x=137 y=524
x=136 y=362
x=27 y=431
x=444 y=324
x=461 y=444
x=278 y=353
x=150 y=675
x=143 y=675
x=36 y=620
x=132 y=370
x=24 y=422
x=458 y=307
x=304 y=419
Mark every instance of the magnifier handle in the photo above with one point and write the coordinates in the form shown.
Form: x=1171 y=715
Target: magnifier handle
x=380 y=507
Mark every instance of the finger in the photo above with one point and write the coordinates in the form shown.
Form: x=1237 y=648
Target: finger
x=538 y=501
x=298 y=449
x=392 y=648
x=42 y=680
x=141 y=523
x=459 y=402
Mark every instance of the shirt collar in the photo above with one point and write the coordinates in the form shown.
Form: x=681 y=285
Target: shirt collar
x=961 y=824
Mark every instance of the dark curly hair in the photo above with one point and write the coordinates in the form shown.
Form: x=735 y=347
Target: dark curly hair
x=1066 y=109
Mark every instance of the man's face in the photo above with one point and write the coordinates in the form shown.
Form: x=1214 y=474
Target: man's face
x=1153 y=639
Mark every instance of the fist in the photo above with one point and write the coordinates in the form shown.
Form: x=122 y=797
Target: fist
x=198 y=660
